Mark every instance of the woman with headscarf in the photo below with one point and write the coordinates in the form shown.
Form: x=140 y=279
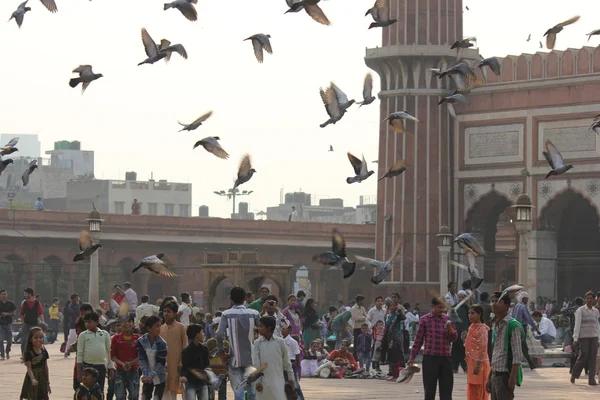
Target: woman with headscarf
x=476 y=349
x=392 y=344
x=311 y=323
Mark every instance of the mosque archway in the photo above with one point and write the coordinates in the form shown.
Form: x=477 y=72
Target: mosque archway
x=48 y=282
x=490 y=220
x=11 y=275
x=575 y=220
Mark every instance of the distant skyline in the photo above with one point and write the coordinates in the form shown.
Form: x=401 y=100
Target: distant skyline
x=271 y=111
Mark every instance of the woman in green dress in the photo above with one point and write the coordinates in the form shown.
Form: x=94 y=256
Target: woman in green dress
x=36 y=385
x=311 y=323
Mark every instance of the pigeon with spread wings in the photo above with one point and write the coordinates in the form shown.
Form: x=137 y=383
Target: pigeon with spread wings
x=212 y=145
x=186 y=7
x=156 y=52
x=261 y=42
x=342 y=98
x=397 y=169
x=492 y=63
x=4 y=164
x=32 y=167
x=9 y=147
x=467 y=242
x=396 y=120
x=555 y=160
x=50 y=5
x=552 y=32
x=332 y=106
x=454 y=98
x=462 y=44
x=368 y=97
x=381 y=14
x=337 y=256
x=245 y=171
x=312 y=9
x=158 y=264
x=360 y=169
x=251 y=375
x=194 y=125
x=463 y=75
x=86 y=76
x=511 y=291
x=384 y=267
x=87 y=246
x=472 y=268
x=19 y=14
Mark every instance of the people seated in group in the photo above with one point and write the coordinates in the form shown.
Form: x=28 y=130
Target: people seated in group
x=343 y=357
x=547 y=330
x=312 y=360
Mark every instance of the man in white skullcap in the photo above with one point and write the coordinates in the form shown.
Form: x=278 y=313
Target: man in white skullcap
x=521 y=314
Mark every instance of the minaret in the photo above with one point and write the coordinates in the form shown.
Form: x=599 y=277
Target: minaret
x=416 y=204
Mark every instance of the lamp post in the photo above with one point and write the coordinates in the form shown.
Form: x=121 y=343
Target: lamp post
x=527 y=273
x=444 y=246
x=94 y=224
x=231 y=194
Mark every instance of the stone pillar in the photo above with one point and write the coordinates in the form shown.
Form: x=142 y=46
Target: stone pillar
x=526 y=276
x=542 y=253
x=94 y=288
x=444 y=252
x=314 y=276
x=144 y=277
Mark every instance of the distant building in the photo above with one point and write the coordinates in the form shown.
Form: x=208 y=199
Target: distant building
x=328 y=210
x=69 y=155
x=29 y=144
x=116 y=197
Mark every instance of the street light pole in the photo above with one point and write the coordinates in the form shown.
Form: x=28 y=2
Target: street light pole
x=231 y=194
x=94 y=223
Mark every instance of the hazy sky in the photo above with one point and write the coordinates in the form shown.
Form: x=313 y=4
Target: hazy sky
x=271 y=110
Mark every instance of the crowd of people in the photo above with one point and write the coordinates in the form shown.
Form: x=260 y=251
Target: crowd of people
x=172 y=346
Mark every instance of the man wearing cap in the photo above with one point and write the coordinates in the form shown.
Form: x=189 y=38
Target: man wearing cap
x=359 y=317
x=521 y=314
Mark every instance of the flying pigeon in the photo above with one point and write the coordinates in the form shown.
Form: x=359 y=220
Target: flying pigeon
x=397 y=169
x=4 y=164
x=381 y=14
x=453 y=311
x=555 y=160
x=211 y=145
x=295 y=6
x=360 y=169
x=25 y=177
x=592 y=33
x=511 y=291
x=86 y=76
x=196 y=123
x=528 y=38
x=595 y=125
x=472 y=268
x=462 y=44
x=206 y=375
x=453 y=99
x=158 y=264
x=330 y=147
x=186 y=7
x=463 y=75
x=87 y=247
x=158 y=52
x=342 y=99
x=492 y=63
x=245 y=171
x=20 y=13
x=251 y=375
x=397 y=120
x=330 y=100
x=468 y=243
x=384 y=267
x=260 y=42
x=312 y=8
x=337 y=256
x=9 y=147
x=552 y=32
x=50 y=5
x=367 y=91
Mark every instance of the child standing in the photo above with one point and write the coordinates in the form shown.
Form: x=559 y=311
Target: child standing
x=363 y=347
x=152 y=354
x=36 y=385
x=174 y=334
x=93 y=350
x=194 y=357
x=271 y=350
x=378 y=332
x=88 y=388
x=123 y=352
x=293 y=351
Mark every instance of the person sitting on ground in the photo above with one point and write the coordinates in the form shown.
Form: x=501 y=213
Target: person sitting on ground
x=343 y=357
x=546 y=328
x=312 y=360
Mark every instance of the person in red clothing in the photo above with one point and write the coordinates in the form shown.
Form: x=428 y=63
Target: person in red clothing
x=123 y=352
x=31 y=311
x=343 y=357
x=437 y=332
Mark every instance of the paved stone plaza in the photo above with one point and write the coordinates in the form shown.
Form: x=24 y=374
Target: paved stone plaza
x=546 y=383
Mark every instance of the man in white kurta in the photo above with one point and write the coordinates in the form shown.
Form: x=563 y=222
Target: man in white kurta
x=271 y=350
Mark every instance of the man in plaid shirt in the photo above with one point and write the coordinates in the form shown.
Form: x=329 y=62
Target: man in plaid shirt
x=436 y=331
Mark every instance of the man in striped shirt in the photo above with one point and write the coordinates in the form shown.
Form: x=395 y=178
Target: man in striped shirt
x=238 y=324
x=436 y=331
